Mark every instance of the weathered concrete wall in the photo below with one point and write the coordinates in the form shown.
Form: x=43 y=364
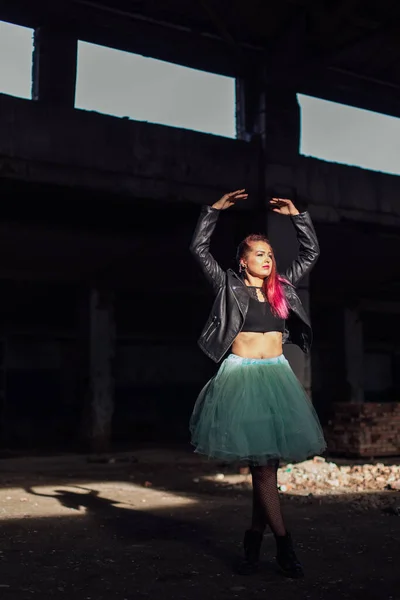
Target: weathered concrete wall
x=80 y=148
x=337 y=191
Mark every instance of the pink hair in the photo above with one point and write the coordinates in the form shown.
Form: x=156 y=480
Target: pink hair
x=273 y=283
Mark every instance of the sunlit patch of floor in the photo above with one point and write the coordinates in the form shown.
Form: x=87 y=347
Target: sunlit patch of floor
x=59 y=500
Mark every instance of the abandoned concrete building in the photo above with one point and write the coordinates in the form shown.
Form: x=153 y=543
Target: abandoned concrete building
x=100 y=301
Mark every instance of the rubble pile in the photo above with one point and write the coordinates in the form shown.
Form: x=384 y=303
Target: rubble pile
x=317 y=476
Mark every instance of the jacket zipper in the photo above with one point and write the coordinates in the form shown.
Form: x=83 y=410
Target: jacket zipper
x=211 y=328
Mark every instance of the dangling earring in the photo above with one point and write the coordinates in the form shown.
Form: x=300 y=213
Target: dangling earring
x=242 y=268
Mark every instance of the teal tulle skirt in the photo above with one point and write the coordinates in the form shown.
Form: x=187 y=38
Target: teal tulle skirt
x=255 y=410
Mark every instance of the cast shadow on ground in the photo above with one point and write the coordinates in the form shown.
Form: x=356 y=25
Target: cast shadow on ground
x=140 y=526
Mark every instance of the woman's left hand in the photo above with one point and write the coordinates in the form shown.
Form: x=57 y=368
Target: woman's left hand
x=283 y=206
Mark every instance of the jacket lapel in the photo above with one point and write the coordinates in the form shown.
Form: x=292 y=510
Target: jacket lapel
x=295 y=303
x=240 y=292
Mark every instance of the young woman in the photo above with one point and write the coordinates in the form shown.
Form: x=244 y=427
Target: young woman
x=254 y=409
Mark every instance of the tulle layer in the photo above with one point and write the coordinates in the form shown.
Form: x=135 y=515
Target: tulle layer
x=255 y=410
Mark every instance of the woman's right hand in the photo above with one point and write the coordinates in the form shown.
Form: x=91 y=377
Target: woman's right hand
x=230 y=199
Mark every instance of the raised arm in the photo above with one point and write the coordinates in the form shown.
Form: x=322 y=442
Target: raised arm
x=308 y=250
x=306 y=236
x=200 y=245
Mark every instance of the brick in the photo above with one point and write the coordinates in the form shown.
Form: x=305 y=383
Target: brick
x=369 y=429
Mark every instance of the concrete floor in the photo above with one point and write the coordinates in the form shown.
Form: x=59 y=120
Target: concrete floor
x=162 y=524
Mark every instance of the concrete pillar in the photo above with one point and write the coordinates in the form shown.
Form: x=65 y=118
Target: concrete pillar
x=101 y=380
x=250 y=106
x=54 y=66
x=283 y=240
x=354 y=354
x=282 y=125
x=269 y=112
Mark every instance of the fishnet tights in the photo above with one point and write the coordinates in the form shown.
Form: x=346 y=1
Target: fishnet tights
x=266 y=503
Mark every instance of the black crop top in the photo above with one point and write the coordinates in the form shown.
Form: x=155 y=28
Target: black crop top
x=259 y=318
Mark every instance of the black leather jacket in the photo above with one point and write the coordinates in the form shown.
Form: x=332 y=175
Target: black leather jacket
x=232 y=299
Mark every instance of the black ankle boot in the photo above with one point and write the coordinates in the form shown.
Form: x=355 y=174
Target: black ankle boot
x=252 y=546
x=286 y=557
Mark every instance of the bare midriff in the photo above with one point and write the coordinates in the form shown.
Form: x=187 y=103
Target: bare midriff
x=258 y=345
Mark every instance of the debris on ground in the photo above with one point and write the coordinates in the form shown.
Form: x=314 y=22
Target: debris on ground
x=318 y=476
x=361 y=486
